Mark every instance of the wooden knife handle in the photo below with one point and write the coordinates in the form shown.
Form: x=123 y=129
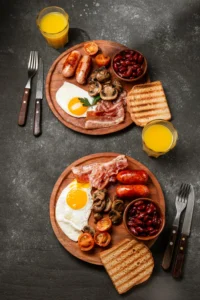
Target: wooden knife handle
x=167 y=259
x=179 y=258
x=24 y=108
x=37 y=118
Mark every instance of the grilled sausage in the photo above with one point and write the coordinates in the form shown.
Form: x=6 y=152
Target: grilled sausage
x=132 y=191
x=132 y=177
x=83 y=69
x=70 y=64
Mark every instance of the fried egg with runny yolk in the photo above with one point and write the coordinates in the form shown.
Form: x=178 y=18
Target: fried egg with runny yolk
x=68 y=96
x=73 y=208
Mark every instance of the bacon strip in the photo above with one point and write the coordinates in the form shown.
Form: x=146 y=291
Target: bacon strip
x=106 y=118
x=100 y=174
x=82 y=173
x=107 y=113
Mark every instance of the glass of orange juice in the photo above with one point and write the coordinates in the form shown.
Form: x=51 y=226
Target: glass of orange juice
x=53 y=23
x=159 y=137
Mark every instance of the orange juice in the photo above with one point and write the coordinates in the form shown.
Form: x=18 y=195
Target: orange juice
x=158 y=138
x=54 y=25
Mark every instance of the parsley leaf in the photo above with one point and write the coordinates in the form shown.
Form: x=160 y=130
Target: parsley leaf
x=86 y=102
x=96 y=99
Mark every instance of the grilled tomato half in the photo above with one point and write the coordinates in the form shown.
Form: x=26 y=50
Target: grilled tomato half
x=85 y=241
x=102 y=239
x=91 y=48
x=104 y=224
x=102 y=60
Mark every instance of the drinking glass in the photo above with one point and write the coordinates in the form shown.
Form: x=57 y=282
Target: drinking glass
x=56 y=39
x=167 y=124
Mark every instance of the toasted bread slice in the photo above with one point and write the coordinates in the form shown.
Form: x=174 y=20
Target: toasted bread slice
x=129 y=263
x=147 y=102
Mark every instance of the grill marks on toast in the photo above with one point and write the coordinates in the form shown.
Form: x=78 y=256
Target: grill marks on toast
x=147 y=102
x=128 y=263
x=135 y=277
x=119 y=249
x=151 y=106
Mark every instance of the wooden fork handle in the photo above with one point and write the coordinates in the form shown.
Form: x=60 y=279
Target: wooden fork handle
x=179 y=258
x=24 y=108
x=37 y=118
x=167 y=259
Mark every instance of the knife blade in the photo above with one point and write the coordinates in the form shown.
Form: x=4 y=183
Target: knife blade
x=38 y=101
x=185 y=232
x=181 y=202
x=188 y=213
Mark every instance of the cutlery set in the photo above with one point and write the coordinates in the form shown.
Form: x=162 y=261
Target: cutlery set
x=184 y=199
x=34 y=64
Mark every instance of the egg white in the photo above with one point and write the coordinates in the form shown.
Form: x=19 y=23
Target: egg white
x=72 y=221
x=68 y=91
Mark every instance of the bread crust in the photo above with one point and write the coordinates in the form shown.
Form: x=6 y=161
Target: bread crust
x=128 y=263
x=147 y=102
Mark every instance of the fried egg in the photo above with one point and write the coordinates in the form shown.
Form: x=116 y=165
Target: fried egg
x=67 y=97
x=73 y=208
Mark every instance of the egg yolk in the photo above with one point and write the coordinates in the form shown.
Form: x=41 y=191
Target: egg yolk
x=76 y=107
x=76 y=184
x=76 y=198
x=83 y=185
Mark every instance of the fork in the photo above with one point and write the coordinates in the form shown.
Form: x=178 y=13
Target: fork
x=32 y=69
x=181 y=202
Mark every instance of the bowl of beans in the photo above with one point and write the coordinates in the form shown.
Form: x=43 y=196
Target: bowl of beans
x=144 y=219
x=129 y=65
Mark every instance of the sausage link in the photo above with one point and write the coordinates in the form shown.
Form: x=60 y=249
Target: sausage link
x=70 y=64
x=133 y=191
x=133 y=177
x=83 y=69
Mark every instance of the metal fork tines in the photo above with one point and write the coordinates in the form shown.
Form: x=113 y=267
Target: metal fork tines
x=32 y=69
x=181 y=201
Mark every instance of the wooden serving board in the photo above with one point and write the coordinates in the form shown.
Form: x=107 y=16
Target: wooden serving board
x=55 y=80
x=118 y=232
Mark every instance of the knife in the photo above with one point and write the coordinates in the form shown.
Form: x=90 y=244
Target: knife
x=185 y=232
x=38 y=102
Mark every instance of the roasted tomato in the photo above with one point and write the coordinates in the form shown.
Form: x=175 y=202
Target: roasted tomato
x=85 y=241
x=91 y=48
x=102 y=60
x=104 y=224
x=102 y=239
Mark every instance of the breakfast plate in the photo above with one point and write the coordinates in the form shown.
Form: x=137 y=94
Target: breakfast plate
x=55 y=80
x=119 y=232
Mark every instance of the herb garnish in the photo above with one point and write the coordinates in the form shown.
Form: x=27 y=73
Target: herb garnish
x=86 y=102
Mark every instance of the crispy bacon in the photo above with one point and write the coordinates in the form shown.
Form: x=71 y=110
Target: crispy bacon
x=82 y=173
x=113 y=116
x=104 y=106
x=107 y=113
x=100 y=174
x=122 y=97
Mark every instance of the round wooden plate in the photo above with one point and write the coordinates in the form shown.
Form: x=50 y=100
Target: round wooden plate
x=118 y=232
x=55 y=80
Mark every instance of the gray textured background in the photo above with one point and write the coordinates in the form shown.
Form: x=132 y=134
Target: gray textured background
x=33 y=265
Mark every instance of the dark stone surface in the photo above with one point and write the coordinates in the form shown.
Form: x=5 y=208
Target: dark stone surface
x=33 y=265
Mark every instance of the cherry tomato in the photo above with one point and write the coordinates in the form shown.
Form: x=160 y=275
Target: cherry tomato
x=91 y=48
x=102 y=239
x=85 y=241
x=102 y=60
x=104 y=224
